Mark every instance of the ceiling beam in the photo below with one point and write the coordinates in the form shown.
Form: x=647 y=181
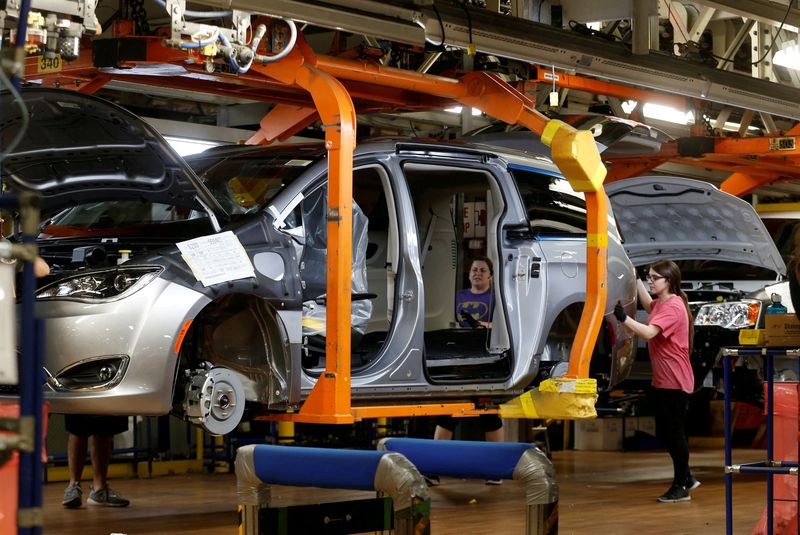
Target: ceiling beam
x=760 y=10
x=516 y=38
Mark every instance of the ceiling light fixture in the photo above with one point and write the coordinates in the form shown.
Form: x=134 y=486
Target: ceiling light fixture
x=788 y=56
x=457 y=109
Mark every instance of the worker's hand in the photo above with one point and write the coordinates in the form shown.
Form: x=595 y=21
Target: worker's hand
x=619 y=312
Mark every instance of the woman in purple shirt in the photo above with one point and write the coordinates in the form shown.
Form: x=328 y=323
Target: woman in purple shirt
x=474 y=308
x=474 y=305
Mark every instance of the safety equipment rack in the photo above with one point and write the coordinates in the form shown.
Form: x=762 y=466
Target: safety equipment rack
x=769 y=466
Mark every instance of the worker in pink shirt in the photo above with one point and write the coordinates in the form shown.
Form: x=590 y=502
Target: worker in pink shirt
x=669 y=332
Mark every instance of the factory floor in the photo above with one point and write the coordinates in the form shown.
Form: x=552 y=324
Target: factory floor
x=600 y=493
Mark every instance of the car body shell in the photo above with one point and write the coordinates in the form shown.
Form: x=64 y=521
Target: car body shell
x=135 y=349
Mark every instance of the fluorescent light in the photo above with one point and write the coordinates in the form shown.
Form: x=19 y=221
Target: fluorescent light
x=788 y=56
x=734 y=127
x=185 y=146
x=457 y=109
x=660 y=112
x=668 y=114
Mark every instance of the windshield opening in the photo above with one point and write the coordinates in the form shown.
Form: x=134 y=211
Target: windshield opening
x=246 y=184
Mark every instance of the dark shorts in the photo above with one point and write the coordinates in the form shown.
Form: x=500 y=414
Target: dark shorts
x=488 y=422
x=84 y=425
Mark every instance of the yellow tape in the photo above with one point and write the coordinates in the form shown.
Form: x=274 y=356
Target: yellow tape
x=560 y=399
x=597 y=240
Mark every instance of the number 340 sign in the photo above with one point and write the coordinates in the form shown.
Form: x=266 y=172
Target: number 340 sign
x=49 y=64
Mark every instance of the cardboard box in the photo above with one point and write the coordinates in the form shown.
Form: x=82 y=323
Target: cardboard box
x=601 y=434
x=782 y=330
x=640 y=424
x=752 y=337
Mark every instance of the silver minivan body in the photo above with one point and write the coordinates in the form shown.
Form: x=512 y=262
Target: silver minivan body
x=131 y=330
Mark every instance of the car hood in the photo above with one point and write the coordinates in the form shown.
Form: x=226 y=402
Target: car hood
x=78 y=148
x=684 y=219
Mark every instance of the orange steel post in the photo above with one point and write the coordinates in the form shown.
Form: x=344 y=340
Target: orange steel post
x=329 y=400
x=596 y=284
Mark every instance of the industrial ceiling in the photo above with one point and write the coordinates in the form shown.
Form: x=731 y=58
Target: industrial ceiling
x=715 y=59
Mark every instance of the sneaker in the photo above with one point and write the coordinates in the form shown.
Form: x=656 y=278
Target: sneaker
x=494 y=481
x=675 y=494
x=107 y=498
x=72 y=496
x=692 y=483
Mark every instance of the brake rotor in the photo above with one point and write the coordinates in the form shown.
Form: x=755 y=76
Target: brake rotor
x=215 y=400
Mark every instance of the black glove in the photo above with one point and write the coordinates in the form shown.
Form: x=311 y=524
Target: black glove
x=619 y=312
x=470 y=319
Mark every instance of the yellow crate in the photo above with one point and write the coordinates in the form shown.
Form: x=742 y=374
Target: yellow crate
x=752 y=337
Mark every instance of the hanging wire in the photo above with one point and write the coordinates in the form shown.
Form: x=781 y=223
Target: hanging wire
x=772 y=41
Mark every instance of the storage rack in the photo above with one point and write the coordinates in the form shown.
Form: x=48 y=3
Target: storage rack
x=27 y=428
x=769 y=466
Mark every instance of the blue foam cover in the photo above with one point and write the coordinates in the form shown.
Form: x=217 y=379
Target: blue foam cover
x=460 y=458
x=316 y=467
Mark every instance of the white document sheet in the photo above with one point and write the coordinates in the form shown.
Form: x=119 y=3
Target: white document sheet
x=217 y=258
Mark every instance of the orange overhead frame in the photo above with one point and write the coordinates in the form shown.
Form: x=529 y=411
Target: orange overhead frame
x=751 y=161
x=574 y=152
x=327 y=80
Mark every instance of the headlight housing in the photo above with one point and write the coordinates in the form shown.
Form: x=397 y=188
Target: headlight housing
x=105 y=285
x=729 y=314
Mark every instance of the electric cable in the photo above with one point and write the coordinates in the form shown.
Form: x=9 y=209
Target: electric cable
x=440 y=46
x=772 y=41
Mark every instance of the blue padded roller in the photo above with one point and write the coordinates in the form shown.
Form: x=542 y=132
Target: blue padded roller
x=316 y=467
x=460 y=458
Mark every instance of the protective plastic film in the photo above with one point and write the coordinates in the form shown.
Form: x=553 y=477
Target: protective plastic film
x=314 y=261
x=398 y=478
x=539 y=476
x=249 y=488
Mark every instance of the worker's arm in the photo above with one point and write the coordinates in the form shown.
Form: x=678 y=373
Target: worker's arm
x=644 y=295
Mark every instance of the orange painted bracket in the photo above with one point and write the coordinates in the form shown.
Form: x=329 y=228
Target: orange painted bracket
x=282 y=122
x=386 y=411
x=740 y=184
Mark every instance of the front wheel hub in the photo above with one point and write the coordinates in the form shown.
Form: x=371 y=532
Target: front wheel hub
x=214 y=400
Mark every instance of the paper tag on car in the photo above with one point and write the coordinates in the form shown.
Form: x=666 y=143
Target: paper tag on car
x=217 y=258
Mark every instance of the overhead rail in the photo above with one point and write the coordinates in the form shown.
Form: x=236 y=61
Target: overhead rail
x=463 y=26
x=751 y=161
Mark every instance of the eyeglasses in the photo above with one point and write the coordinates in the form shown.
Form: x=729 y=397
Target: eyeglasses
x=654 y=278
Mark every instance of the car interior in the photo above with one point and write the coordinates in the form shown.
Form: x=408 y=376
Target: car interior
x=439 y=195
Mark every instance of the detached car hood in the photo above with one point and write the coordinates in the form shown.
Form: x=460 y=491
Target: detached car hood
x=78 y=148
x=685 y=219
